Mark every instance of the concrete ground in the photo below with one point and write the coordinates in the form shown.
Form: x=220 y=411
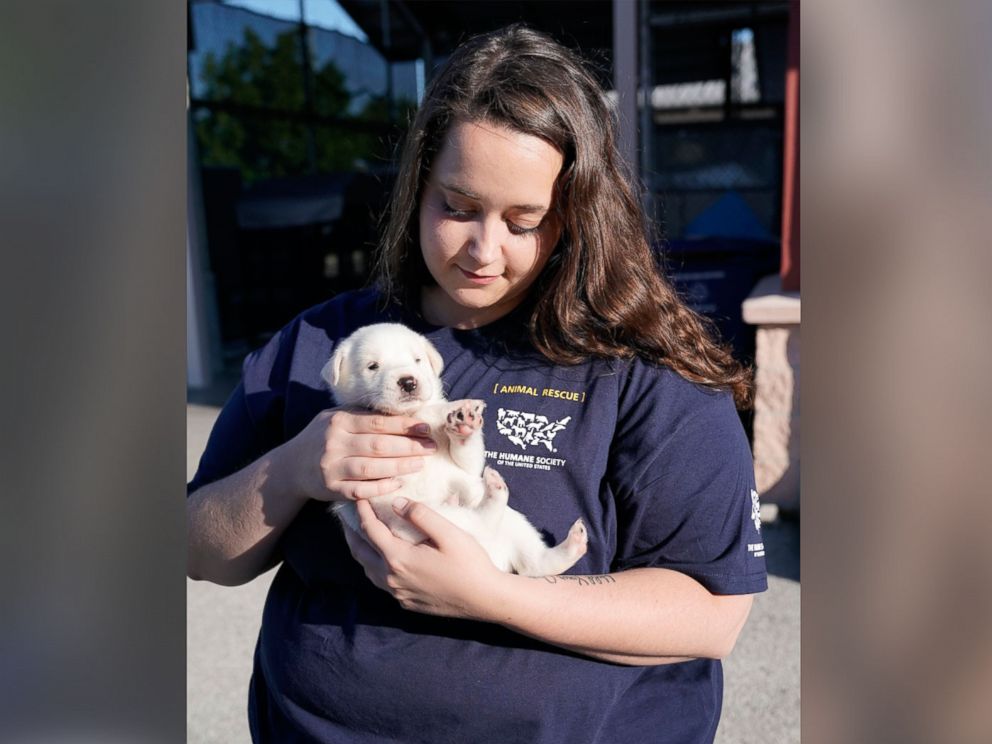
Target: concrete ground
x=761 y=676
x=761 y=695
x=221 y=627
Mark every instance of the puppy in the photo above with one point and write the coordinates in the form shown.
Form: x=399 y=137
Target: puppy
x=388 y=368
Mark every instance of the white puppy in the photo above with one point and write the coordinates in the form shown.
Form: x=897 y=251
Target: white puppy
x=388 y=368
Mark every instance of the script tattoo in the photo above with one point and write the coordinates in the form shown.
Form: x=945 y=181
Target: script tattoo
x=581 y=580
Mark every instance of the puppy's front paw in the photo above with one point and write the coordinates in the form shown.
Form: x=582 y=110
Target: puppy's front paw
x=464 y=418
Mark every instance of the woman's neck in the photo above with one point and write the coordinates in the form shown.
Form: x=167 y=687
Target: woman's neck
x=440 y=310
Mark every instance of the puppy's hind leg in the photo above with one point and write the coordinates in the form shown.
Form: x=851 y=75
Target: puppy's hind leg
x=540 y=560
x=493 y=505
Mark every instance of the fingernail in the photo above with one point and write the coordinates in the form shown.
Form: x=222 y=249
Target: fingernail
x=429 y=444
x=422 y=429
x=399 y=505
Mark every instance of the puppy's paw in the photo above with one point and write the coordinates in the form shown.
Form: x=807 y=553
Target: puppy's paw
x=577 y=540
x=496 y=490
x=493 y=480
x=464 y=419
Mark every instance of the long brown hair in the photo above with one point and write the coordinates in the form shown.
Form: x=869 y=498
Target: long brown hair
x=601 y=293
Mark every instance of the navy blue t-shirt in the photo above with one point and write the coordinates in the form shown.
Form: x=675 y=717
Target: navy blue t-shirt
x=657 y=467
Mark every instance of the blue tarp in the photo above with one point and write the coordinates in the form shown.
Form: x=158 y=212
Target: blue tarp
x=729 y=217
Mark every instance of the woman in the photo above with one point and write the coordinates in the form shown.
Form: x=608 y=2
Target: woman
x=515 y=243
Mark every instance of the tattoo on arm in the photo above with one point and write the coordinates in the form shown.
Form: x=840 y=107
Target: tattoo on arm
x=580 y=580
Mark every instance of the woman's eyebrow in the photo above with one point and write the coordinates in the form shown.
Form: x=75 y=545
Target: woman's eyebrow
x=472 y=195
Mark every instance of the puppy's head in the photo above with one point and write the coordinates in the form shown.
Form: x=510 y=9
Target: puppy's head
x=385 y=367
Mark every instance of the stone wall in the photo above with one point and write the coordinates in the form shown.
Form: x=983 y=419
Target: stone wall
x=777 y=385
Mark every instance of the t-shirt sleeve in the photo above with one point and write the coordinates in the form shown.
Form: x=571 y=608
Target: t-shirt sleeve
x=250 y=423
x=234 y=443
x=684 y=486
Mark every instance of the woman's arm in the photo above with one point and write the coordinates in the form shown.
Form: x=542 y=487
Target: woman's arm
x=642 y=616
x=233 y=525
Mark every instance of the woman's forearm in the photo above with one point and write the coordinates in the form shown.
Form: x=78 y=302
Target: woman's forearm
x=233 y=525
x=642 y=616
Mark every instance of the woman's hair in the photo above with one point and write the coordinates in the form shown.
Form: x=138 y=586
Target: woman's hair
x=601 y=294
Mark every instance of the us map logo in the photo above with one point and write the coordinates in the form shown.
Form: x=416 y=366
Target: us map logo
x=529 y=429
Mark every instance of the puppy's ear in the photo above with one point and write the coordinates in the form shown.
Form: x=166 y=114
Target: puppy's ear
x=437 y=363
x=333 y=370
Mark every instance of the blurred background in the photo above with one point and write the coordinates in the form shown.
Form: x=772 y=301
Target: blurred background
x=295 y=111
x=296 y=108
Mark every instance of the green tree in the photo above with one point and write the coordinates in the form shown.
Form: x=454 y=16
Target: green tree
x=266 y=145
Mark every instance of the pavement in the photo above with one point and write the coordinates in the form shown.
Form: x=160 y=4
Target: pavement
x=761 y=692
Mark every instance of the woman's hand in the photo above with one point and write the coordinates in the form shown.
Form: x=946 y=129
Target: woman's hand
x=347 y=455
x=450 y=574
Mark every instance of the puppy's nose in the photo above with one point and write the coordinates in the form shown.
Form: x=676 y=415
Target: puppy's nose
x=407 y=384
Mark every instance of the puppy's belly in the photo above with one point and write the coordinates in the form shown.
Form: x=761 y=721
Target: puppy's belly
x=440 y=480
x=485 y=529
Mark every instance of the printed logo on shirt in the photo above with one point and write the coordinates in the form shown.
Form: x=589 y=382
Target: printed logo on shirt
x=575 y=396
x=756 y=550
x=521 y=460
x=525 y=430
x=529 y=429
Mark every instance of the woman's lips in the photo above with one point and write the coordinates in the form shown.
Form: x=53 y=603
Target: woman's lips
x=478 y=278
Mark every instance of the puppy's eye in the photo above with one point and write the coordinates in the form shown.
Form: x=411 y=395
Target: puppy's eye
x=417 y=360
x=374 y=366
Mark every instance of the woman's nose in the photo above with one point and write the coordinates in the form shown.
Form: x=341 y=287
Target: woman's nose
x=484 y=247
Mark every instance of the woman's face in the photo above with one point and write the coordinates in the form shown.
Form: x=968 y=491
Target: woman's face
x=487 y=225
